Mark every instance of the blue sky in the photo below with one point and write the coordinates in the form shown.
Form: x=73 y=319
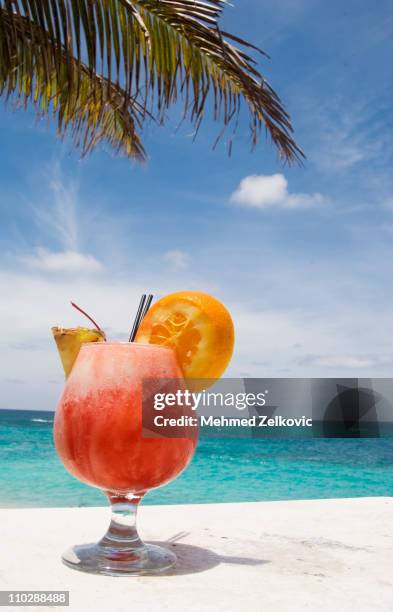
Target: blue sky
x=301 y=256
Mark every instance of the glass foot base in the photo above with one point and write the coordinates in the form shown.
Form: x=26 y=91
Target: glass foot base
x=147 y=559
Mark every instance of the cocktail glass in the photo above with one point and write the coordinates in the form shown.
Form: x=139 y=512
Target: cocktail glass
x=99 y=438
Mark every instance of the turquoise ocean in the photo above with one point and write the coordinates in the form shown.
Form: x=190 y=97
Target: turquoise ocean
x=224 y=469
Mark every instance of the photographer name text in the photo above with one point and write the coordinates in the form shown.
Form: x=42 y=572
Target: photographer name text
x=222 y=421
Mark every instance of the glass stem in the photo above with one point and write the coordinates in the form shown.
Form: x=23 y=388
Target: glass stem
x=122 y=533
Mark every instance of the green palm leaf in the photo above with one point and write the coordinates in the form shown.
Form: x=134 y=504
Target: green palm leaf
x=105 y=66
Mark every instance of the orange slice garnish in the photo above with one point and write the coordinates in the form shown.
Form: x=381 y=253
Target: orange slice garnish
x=197 y=326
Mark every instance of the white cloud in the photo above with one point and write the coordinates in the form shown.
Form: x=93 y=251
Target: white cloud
x=348 y=136
x=178 y=259
x=59 y=215
x=62 y=261
x=342 y=361
x=59 y=219
x=271 y=343
x=264 y=191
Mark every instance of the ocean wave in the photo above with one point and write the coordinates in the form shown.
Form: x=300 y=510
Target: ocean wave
x=41 y=420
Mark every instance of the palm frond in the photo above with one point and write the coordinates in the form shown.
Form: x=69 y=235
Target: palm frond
x=148 y=54
x=97 y=110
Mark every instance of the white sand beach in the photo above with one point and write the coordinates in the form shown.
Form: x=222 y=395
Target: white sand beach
x=320 y=555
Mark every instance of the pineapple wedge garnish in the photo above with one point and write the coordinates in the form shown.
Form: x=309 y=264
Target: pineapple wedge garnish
x=69 y=342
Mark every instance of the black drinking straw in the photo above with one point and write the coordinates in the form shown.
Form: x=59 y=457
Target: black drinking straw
x=146 y=308
x=143 y=307
x=137 y=319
